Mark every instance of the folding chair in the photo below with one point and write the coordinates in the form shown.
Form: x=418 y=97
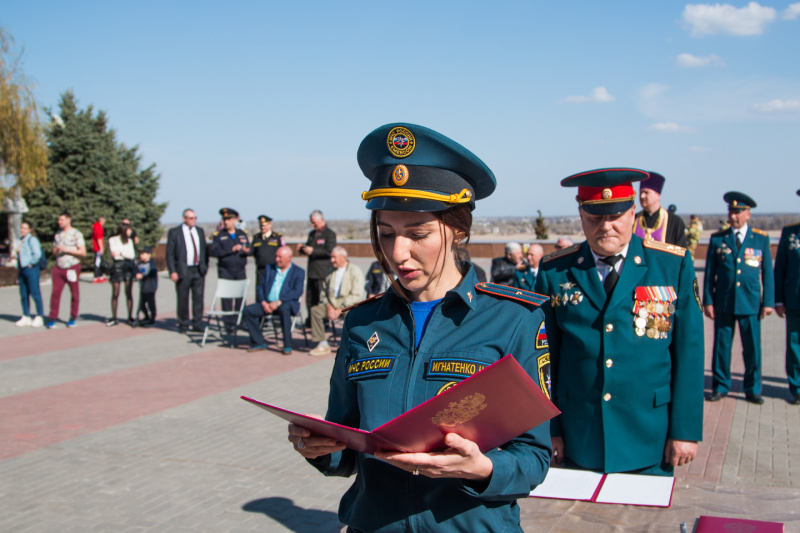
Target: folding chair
x=334 y=341
x=226 y=288
x=273 y=325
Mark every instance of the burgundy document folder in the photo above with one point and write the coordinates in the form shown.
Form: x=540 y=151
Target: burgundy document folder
x=719 y=524
x=489 y=408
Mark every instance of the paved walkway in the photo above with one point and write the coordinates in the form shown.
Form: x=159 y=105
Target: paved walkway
x=120 y=429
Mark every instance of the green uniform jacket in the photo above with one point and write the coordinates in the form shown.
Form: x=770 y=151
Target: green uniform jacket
x=622 y=395
x=469 y=327
x=524 y=279
x=787 y=269
x=733 y=279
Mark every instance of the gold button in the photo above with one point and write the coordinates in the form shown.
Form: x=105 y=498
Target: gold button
x=607 y=396
x=609 y=363
x=609 y=328
x=738 y=259
x=738 y=284
x=738 y=271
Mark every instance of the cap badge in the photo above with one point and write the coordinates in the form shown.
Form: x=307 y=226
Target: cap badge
x=400 y=142
x=606 y=194
x=734 y=204
x=400 y=175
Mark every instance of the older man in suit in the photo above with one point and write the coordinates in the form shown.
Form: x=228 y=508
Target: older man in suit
x=279 y=294
x=187 y=261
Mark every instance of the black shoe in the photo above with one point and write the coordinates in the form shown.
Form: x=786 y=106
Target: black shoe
x=795 y=399
x=716 y=396
x=134 y=323
x=755 y=398
x=183 y=329
x=198 y=329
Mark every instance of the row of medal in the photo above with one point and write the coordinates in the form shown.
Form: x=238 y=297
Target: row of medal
x=652 y=311
x=565 y=298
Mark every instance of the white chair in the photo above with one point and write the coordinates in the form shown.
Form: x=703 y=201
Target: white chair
x=226 y=288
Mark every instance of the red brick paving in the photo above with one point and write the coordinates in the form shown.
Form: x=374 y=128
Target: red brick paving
x=40 y=418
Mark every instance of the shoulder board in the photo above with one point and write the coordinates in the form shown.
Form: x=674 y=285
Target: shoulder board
x=362 y=302
x=512 y=293
x=664 y=247
x=560 y=253
x=277 y=234
x=761 y=232
x=216 y=233
x=718 y=233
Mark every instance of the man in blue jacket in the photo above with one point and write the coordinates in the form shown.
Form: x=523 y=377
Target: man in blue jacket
x=625 y=331
x=279 y=294
x=787 y=302
x=738 y=267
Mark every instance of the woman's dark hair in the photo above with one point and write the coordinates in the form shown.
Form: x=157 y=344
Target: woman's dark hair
x=122 y=231
x=458 y=218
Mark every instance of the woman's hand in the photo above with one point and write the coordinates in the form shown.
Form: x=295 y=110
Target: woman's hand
x=462 y=459
x=312 y=446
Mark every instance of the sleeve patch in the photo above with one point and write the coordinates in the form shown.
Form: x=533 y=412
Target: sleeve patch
x=541 y=337
x=543 y=371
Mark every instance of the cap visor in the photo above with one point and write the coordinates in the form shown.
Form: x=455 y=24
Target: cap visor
x=613 y=208
x=416 y=205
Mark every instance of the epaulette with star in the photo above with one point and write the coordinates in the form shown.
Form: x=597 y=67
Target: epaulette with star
x=760 y=232
x=215 y=234
x=664 y=247
x=512 y=293
x=560 y=253
x=362 y=302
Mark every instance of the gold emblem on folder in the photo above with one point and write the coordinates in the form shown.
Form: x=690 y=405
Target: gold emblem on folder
x=460 y=412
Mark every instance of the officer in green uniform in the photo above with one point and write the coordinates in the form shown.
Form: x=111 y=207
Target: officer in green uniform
x=626 y=338
x=265 y=245
x=231 y=246
x=435 y=326
x=738 y=264
x=787 y=302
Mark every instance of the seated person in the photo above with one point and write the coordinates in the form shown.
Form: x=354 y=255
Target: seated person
x=342 y=287
x=504 y=268
x=279 y=294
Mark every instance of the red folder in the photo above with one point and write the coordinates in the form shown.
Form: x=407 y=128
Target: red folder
x=718 y=524
x=489 y=408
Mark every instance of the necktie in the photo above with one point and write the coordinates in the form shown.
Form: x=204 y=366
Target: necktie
x=738 y=239
x=613 y=275
x=194 y=247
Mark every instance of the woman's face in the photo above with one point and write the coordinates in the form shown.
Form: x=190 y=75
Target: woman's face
x=129 y=231
x=419 y=249
x=24 y=229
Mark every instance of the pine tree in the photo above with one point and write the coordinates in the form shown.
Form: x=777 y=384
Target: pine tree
x=541 y=228
x=90 y=174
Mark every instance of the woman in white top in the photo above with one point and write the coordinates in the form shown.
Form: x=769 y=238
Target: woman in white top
x=123 y=253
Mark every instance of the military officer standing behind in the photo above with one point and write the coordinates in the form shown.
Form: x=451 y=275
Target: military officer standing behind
x=738 y=266
x=787 y=302
x=655 y=222
x=265 y=245
x=230 y=246
x=625 y=331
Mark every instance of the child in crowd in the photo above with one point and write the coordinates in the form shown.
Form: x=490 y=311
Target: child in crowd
x=147 y=274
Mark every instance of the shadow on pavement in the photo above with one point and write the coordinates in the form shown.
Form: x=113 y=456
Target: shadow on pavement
x=285 y=512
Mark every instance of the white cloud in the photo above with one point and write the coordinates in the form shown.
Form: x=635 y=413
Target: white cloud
x=691 y=61
x=653 y=90
x=699 y=149
x=792 y=12
x=706 y=19
x=599 y=94
x=778 y=106
x=668 y=127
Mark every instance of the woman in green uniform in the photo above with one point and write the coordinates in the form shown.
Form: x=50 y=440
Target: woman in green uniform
x=424 y=187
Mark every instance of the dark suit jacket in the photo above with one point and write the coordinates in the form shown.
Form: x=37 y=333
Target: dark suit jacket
x=176 y=252
x=292 y=288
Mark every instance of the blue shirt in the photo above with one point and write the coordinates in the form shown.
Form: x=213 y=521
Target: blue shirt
x=275 y=291
x=30 y=251
x=422 y=315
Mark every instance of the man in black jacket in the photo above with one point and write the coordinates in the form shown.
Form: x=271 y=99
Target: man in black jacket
x=321 y=241
x=187 y=262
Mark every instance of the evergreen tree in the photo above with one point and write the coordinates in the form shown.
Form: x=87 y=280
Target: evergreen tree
x=541 y=228
x=90 y=174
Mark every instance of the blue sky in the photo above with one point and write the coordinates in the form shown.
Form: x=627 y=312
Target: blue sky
x=261 y=106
